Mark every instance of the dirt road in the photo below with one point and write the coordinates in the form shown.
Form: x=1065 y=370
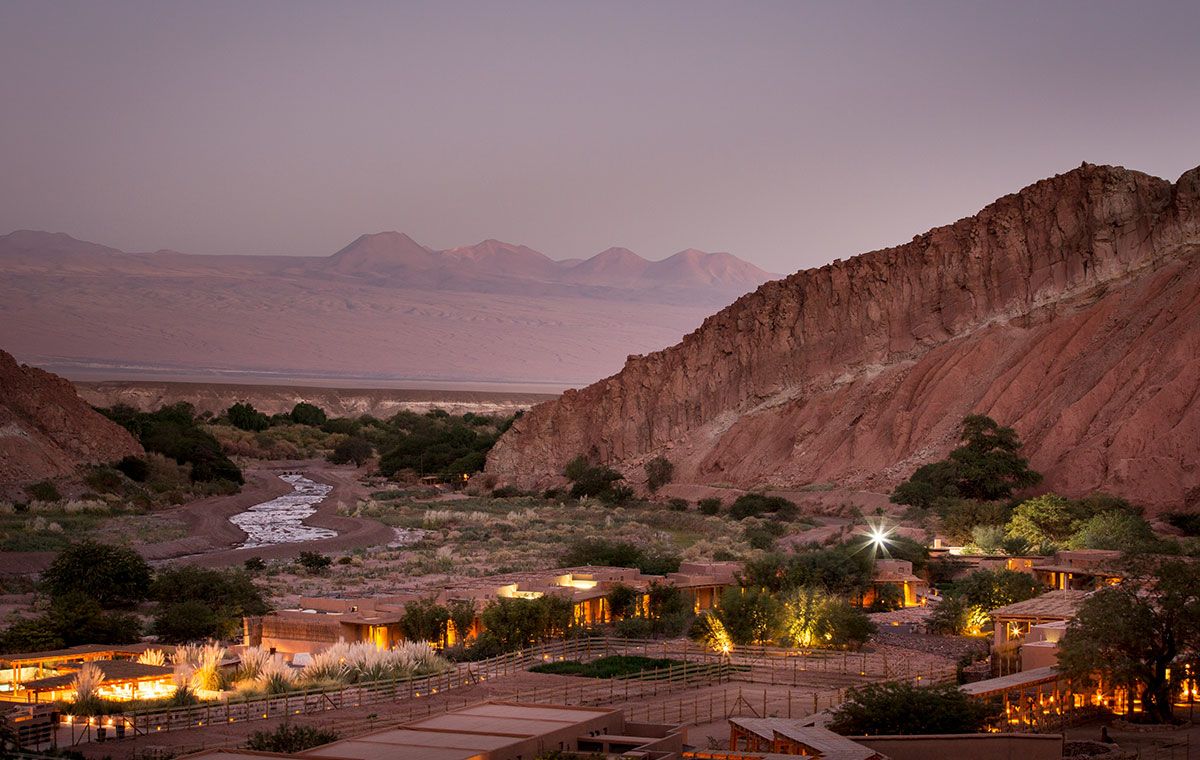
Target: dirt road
x=212 y=539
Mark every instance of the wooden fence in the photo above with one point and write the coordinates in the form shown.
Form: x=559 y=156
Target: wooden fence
x=697 y=666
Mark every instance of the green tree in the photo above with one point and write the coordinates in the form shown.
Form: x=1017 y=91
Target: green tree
x=79 y=619
x=245 y=417
x=353 y=449
x=622 y=601
x=659 y=472
x=751 y=616
x=1045 y=518
x=462 y=616
x=606 y=553
x=215 y=600
x=843 y=569
x=114 y=576
x=31 y=635
x=986 y=466
x=899 y=707
x=424 y=620
x=305 y=413
x=1132 y=633
x=188 y=620
x=1114 y=530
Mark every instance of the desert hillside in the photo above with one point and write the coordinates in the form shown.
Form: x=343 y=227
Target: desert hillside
x=382 y=308
x=1069 y=310
x=46 y=430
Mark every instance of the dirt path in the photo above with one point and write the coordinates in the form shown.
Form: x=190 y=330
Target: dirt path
x=212 y=539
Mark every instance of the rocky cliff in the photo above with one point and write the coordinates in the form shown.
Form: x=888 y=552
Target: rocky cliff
x=46 y=430
x=1069 y=310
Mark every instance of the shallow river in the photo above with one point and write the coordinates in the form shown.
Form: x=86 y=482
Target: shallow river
x=279 y=521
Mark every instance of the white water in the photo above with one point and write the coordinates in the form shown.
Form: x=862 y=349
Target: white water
x=280 y=520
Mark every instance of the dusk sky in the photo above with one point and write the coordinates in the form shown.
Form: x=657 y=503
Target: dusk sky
x=787 y=133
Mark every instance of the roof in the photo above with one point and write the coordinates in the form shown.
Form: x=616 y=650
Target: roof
x=831 y=746
x=1061 y=604
x=1080 y=570
x=113 y=670
x=464 y=734
x=79 y=651
x=1012 y=682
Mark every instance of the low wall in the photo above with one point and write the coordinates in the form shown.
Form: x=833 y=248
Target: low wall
x=974 y=746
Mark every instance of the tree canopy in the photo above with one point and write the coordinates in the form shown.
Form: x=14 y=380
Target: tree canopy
x=114 y=576
x=1133 y=633
x=899 y=707
x=985 y=466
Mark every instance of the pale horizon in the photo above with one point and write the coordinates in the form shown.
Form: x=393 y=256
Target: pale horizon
x=786 y=134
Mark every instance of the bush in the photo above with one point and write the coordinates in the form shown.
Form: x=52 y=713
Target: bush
x=599 y=551
x=659 y=472
x=200 y=603
x=757 y=504
x=591 y=480
x=43 y=490
x=172 y=431
x=112 y=575
x=288 y=739
x=104 y=480
x=245 y=417
x=709 y=506
x=750 y=616
x=354 y=449
x=304 y=413
x=899 y=707
x=314 y=562
x=507 y=492
x=677 y=505
x=134 y=468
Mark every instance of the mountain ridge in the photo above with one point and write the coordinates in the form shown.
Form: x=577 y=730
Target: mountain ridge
x=772 y=390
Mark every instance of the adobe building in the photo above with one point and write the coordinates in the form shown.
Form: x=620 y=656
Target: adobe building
x=496 y=731
x=322 y=621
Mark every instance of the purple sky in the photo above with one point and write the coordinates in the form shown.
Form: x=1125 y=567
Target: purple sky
x=787 y=133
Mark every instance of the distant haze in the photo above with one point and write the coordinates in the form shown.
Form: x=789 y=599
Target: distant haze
x=787 y=133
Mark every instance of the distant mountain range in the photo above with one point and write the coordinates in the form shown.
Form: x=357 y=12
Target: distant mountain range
x=383 y=308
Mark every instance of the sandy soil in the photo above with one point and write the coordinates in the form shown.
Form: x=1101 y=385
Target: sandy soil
x=212 y=538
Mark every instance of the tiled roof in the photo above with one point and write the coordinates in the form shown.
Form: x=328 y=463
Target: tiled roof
x=1061 y=604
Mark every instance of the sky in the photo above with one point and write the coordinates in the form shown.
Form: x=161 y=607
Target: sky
x=789 y=133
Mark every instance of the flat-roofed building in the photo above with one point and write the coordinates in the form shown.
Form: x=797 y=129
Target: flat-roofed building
x=1012 y=622
x=1079 y=569
x=497 y=731
x=318 y=622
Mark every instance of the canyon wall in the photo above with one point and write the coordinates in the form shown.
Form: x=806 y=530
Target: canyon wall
x=1069 y=310
x=46 y=430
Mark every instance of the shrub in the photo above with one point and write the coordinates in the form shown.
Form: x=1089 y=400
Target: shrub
x=314 y=562
x=304 y=413
x=114 y=576
x=599 y=551
x=678 y=505
x=709 y=506
x=134 y=468
x=245 y=417
x=659 y=472
x=104 y=480
x=288 y=739
x=899 y=707
x=43 y=490
x=507 y=492
x=172 y=431
x=757 y=504
x=354 y=449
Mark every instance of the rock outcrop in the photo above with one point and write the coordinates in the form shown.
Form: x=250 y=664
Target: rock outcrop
x=46 y=430
x=1069 y=310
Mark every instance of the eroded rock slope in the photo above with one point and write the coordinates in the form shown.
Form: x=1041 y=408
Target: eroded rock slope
x=1069 y=310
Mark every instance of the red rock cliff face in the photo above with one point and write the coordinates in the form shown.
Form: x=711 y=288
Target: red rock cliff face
x=46 y=430
x=1070 y=310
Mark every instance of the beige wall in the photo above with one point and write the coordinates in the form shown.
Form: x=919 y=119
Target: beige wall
x=974 y=746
